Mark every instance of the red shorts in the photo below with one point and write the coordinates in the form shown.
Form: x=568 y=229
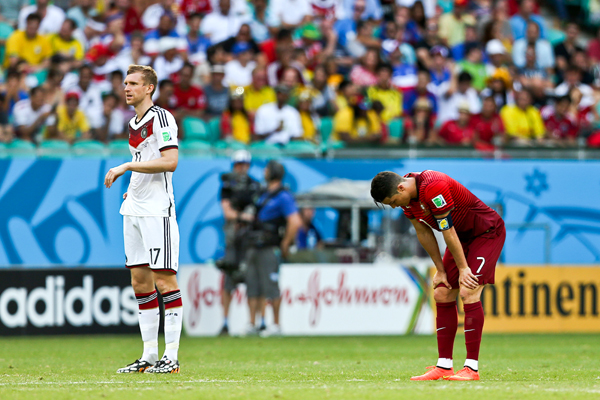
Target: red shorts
x=482 y=254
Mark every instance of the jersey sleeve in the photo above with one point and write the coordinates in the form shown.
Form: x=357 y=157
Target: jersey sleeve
x=439 y=197
x=226 y=191
x=165 y=129
x=288 y=204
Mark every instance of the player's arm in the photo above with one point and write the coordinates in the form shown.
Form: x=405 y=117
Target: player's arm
x=291 y=230
x=466 y=277
x=167 y=162
x=430 y=244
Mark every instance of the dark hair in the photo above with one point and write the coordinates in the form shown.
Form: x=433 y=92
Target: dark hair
x=385 y=185
x=188 y=65
x=116 y=73
x=465 y=77
x=34 y=16
x=85 y=66
x=110 y=95
x=72 y=22
x=566 y=98
x=276 y=171
x=164 y=83
x=572 y=68
x=36 y=89
x=344 y=84
x=13 y=73
x=386 y=66
x=284 y=34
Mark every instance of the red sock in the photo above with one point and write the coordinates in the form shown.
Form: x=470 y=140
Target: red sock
x=447 y=324
x=473 y=329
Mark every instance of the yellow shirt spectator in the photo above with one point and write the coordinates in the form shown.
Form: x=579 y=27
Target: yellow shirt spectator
x=253 y=98
x=391 y=100
x=523 y=124
x=344 y=122
x=71 y=128
x=308 y=125
x=240 y=127
x=452 y=29
x=34 y=51
x=72 y=48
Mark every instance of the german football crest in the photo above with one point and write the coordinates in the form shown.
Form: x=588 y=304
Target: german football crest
x=144 y=133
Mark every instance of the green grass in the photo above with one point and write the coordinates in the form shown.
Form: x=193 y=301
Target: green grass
x=512 y=367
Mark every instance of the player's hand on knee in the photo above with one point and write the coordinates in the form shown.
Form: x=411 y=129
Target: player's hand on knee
x=440 y=278
x=468 y=279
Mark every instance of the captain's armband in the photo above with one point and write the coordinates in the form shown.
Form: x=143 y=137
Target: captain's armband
x=444 y=223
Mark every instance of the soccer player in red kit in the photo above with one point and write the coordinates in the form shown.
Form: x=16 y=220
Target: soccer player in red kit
x=474 y=235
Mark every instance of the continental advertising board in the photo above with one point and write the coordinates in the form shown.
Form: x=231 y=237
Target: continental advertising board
x=543 y=299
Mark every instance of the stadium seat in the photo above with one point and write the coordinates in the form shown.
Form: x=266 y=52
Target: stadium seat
x=396 y=128
x=230 y=145
x=54 y=148
x=300 y=147
x=264 y=150
x=214 y=127
x=195 y=148
x=3 y=152
x=326 y=128
x=555 y=36
x=90 y=148
x=196 y=129
x=21 y=148
x=119 y=148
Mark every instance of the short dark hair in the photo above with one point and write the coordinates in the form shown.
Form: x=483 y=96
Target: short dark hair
x=566 y=98
x=165 y=82
x=36 y=89
x=34 y=17
x=465 y=77
x=386 y=66
x=385 y=185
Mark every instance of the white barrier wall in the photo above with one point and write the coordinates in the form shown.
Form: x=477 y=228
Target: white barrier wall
x=317 y=299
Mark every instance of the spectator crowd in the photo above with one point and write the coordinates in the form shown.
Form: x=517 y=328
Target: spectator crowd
x=480 y=73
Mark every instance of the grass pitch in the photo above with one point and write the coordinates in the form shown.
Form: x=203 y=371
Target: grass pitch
x=512 y=367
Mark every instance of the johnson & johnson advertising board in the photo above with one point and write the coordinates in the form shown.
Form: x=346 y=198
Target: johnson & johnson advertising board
x=317 y=299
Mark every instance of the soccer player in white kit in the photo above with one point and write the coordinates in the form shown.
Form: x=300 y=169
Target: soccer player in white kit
x=149 y=225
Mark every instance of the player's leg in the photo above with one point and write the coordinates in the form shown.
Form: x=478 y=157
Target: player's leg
x=269 y=261
x=161 y=236
x=226 y=290
x=252 y=289
x=446 y=323
x=482 y=255
x=143 y=286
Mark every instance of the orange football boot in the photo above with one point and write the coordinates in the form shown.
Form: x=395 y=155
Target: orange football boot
x=434 y=374
x=465 y=374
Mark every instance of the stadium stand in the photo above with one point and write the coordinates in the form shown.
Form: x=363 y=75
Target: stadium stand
x=341 y=58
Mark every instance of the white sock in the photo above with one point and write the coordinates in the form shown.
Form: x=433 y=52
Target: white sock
x=444 y=363
x=173 y=323
x=149 y=319
x=473 y=364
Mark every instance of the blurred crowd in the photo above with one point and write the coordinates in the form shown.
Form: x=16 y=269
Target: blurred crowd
x=478 y=73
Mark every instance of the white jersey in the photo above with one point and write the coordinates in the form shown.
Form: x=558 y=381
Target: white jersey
x=151 y=194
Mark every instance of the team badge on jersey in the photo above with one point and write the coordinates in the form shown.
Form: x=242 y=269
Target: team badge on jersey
x=439 y=201
x=144 y=133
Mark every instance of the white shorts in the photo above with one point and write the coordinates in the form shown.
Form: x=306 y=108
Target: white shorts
x=151 y=242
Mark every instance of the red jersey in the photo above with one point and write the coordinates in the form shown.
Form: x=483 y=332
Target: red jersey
x=438 y=194
x=560 y=127
x=454 y=134
x=191 y=99
x=487 y=128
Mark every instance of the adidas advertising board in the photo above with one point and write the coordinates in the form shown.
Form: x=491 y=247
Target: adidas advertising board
x=67 y=301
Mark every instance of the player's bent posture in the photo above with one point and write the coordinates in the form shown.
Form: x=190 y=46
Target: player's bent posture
x=149 y=226
x=474 y=235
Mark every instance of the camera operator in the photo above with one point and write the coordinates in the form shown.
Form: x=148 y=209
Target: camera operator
x=273 y=231
x=238 y=193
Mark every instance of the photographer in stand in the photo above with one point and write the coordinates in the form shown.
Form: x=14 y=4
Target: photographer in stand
x=238 y=192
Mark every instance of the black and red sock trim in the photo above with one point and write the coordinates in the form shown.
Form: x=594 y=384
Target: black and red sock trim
x=147 y=301
x=172 y=299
